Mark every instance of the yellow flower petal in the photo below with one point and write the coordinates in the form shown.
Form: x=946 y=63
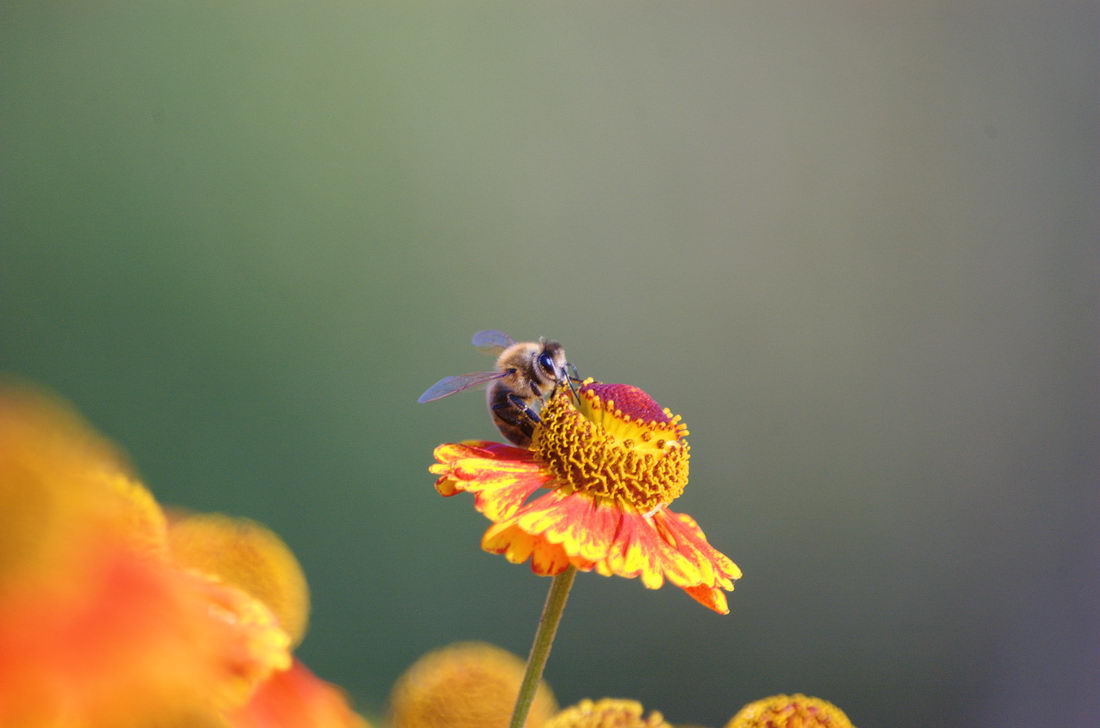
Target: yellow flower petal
x=61 y=482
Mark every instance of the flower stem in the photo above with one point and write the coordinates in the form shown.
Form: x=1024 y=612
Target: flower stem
x=540 y=648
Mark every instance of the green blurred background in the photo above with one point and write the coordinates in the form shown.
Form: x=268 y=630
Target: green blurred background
x=854 y=245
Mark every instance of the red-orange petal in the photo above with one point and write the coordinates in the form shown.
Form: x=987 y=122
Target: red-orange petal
x=501 y=477
x=510 y=541
x=639 y=550
x=681 y=531
x=127 y=640
x=516 y=545
x=710 y=597
x=293 y=698
x=558 y=529
x=584 y=527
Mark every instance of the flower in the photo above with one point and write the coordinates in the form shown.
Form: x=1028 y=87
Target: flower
x=612 y=461
x=607 y=713
x=249 y=556
x=246 y=555
x=102 y=622
x=465 y=685
x=790 y=711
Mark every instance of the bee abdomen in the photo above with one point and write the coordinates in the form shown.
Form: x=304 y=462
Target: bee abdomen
x=512 y=422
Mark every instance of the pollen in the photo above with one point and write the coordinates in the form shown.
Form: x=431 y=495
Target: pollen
x=613 y=442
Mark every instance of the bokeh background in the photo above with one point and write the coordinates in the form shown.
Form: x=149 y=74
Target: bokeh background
x=853 y=243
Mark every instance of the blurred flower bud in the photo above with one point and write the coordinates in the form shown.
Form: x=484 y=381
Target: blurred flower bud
x=465 y=685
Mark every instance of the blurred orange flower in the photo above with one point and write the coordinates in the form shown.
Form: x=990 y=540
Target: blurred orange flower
x=612 y=462
x=296 y=697
x=101 y=622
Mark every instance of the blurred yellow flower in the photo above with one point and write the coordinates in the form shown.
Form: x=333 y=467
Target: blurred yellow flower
x=248 y=556
x=465 y=685
x=612 y=462
x=607 y=713
x=790 y=711
x=100 y=623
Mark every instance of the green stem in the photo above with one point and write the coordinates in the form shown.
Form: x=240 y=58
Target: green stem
x=540 y=648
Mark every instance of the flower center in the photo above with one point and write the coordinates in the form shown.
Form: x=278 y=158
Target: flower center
x=615 y=443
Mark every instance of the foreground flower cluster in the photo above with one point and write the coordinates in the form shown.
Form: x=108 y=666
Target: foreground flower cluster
x=611 y=461
x=114 y=614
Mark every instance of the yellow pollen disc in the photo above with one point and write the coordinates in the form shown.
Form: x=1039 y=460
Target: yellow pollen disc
x=790 y=711
x=616 y=443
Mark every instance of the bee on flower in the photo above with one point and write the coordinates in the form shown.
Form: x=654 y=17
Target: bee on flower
x=611 y=461
x=526 y=373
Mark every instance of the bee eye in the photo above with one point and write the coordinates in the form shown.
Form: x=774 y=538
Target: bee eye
x=547 y=363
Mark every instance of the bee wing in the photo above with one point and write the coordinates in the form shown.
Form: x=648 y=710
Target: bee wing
x=492 y=341
x=449 y=385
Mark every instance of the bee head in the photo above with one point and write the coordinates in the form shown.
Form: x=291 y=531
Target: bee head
x=550 y=361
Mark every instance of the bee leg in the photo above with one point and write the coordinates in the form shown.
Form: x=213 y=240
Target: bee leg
x=517 y=400
x=569 y=380
x=536 y=390
x=573 y=389
x=507 y=412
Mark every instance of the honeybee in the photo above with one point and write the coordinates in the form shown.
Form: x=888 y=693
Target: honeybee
x=526 y=373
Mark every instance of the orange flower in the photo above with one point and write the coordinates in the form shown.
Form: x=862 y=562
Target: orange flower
x=101 y=623
x=612 y=462
x=251 y=558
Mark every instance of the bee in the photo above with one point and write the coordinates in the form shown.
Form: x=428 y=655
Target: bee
x=526 y=373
